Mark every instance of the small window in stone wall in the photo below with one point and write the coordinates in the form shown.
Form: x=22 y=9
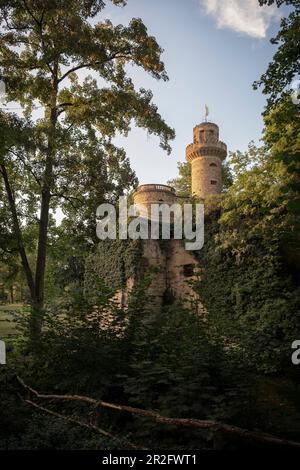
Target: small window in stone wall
x=213 y=182
x=213 y=165
x=212 y=136
x=188 y=270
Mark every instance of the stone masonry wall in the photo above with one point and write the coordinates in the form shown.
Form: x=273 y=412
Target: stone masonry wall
x=171 y=269
x=206 y=176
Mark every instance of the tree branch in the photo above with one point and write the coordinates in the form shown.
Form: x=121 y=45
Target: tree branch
x=39 y=24
x=68 y=198
x=26 y=166
x=90 y=427
x=259 y=437
x=117 y=55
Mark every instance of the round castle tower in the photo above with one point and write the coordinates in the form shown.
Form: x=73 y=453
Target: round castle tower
x=206 y=154
x=148 y=194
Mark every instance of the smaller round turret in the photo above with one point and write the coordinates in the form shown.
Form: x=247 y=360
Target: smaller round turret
x=148 y=194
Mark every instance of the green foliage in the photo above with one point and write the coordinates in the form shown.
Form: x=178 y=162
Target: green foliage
x=282 y=119
x=249 y=288
x=24 y=429
x=282 y=136
x=112 y=263
x=172 y=361
x=177 y=368
x=227 y=176
x=285 y=65
x=183 y=183
x=162 y=361
x=64 y=157
x=58 y=40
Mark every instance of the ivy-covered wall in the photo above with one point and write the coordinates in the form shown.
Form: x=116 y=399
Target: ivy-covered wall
x=112 y=263
x=254 y=303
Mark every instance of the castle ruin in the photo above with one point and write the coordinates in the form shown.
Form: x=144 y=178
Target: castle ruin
x=170 y=266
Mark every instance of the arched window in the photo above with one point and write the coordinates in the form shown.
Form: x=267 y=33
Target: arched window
x=213 y=182
x=212 y=137
x=213 y=165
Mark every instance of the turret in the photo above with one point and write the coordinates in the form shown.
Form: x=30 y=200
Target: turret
x=206 y=155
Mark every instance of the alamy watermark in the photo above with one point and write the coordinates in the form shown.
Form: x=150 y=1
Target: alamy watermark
x=154 y=221
x=2 y=352
x=2 y=91
x=296 y=353
x=296 y=92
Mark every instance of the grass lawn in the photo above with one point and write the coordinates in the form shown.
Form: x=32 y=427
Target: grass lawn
x=7 y=325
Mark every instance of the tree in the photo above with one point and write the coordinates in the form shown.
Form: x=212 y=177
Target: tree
x=286 y=61
x=255 y=306
x=183 y=183
x=282 y=116
x=16 y=213
x=282 y=136
x=44 y=50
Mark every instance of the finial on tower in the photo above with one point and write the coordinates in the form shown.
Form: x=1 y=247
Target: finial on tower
x=206 y=114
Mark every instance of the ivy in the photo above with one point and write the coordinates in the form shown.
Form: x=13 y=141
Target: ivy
x=112 y=263
x=249 y=287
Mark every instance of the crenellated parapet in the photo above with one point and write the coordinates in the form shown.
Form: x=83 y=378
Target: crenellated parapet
x=144 y=188
x=218 y=149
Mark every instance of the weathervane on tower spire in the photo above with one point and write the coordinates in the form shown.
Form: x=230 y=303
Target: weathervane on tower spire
x=206 y=114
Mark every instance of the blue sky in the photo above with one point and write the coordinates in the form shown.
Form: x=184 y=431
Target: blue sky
x=213 y=51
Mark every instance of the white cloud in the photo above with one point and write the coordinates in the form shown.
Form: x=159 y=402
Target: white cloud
x=242 y=16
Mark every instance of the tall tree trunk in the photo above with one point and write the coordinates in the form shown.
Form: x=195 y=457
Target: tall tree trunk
x=36 y=286
x=37 y=314
x=35 y=325
x=17 y=230
x=42 y=249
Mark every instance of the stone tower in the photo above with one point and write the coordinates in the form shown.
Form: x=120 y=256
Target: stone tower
x=148 y=194
x=206 y=154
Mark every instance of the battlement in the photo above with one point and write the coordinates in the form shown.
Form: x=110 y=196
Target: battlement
x=206 y=148
x=149 y=194
x=155 y=187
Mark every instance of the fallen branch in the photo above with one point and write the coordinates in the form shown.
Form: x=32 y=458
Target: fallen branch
x=262 y=438
x=90 y=427
x=70 y=419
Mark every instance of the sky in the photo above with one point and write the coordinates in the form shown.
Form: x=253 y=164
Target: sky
x=213 y=51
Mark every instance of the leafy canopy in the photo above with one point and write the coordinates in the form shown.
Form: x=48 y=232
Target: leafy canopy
x=285 y=65
x=69 y=70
